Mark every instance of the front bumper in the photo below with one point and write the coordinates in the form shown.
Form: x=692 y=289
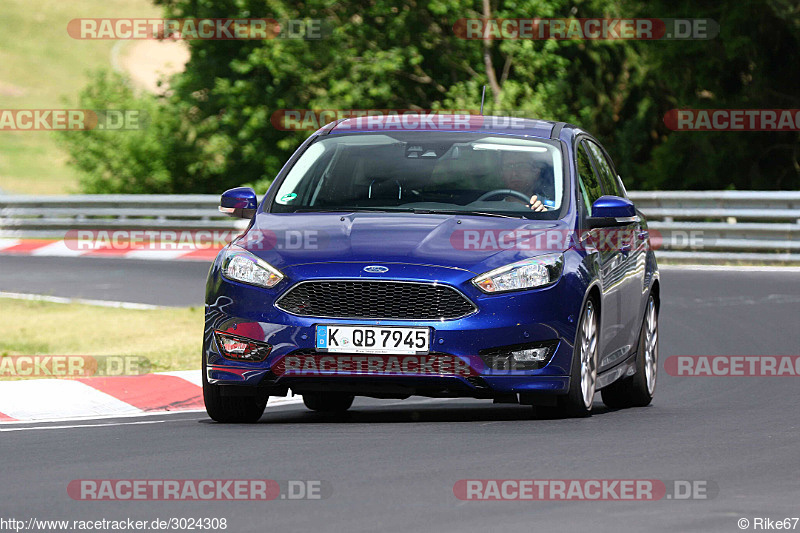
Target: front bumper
x=519 y=318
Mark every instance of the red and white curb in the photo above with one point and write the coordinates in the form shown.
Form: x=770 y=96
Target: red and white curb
x=48 y=400
x=59 y=248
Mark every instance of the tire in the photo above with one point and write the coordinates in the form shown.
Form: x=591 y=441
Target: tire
x=577 y=403
x=639 y=389
x=231 y=409
x=328 y=402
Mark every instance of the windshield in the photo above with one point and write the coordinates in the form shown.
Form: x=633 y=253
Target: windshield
x=432 y=172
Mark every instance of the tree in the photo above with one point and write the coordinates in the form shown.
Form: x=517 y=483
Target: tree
x=403 y=55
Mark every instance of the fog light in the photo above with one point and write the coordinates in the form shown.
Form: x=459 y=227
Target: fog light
x=531 y=355
x=241 y=348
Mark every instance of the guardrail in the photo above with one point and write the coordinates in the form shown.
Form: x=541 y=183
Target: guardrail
x=53 y=216
x=724 y=226
x=694 y=226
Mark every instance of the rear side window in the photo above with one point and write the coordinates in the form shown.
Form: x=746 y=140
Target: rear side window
x=588 y=183
x=607 y=176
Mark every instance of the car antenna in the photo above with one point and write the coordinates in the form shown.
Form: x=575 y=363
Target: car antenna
x=483 y=96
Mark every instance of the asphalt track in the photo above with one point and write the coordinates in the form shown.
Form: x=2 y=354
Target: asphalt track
x=392 y=465
x=171 y=283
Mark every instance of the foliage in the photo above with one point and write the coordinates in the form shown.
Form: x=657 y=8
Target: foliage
x=214 y=130
x=164 y=156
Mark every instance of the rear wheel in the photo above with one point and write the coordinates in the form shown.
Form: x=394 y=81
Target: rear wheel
x=328 y=402
x=235 y=409
x=583 y=376
x=639 y=389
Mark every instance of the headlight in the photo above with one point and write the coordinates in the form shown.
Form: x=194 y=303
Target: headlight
x=528 y=274
x=240 y=265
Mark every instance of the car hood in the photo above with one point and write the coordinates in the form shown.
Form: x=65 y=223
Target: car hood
x=473 y=243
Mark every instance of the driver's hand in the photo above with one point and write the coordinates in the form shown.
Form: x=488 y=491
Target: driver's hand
x=536 y=205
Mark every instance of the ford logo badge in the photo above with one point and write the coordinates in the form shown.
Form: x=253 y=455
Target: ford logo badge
x=376 y=269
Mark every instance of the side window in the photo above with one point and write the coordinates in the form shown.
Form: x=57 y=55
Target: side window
x=589 y=185
x=607 y=176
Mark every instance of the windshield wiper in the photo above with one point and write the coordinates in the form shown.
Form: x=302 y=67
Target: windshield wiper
x=459 y=212
x=416 y=211
x=346 y=210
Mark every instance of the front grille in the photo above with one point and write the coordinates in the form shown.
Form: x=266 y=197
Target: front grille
x=400 y=300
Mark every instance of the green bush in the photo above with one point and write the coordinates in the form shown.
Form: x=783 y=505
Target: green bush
x=214 y=132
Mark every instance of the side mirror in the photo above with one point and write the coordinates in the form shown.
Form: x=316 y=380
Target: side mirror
x=610 y=211
x=240 y=202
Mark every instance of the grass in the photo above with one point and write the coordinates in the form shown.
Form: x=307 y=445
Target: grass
x=171 y=339
x=42 y=67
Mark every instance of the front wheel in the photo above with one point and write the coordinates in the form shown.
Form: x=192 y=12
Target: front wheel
x=231 y=409
x=583 y=376
x=639 y=389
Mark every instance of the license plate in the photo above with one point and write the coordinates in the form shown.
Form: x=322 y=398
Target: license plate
x=373 y=339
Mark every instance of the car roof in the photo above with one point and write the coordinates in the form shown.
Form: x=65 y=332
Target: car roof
x=443 y=122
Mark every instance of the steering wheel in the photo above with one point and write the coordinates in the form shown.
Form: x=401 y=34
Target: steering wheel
x=507 y=192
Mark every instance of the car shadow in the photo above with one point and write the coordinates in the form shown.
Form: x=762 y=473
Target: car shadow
x=435 y=412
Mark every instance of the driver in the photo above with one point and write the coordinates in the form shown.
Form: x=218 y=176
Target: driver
x=523 y=174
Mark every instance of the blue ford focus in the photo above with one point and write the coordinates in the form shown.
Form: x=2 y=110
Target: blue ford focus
x=483 y=257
